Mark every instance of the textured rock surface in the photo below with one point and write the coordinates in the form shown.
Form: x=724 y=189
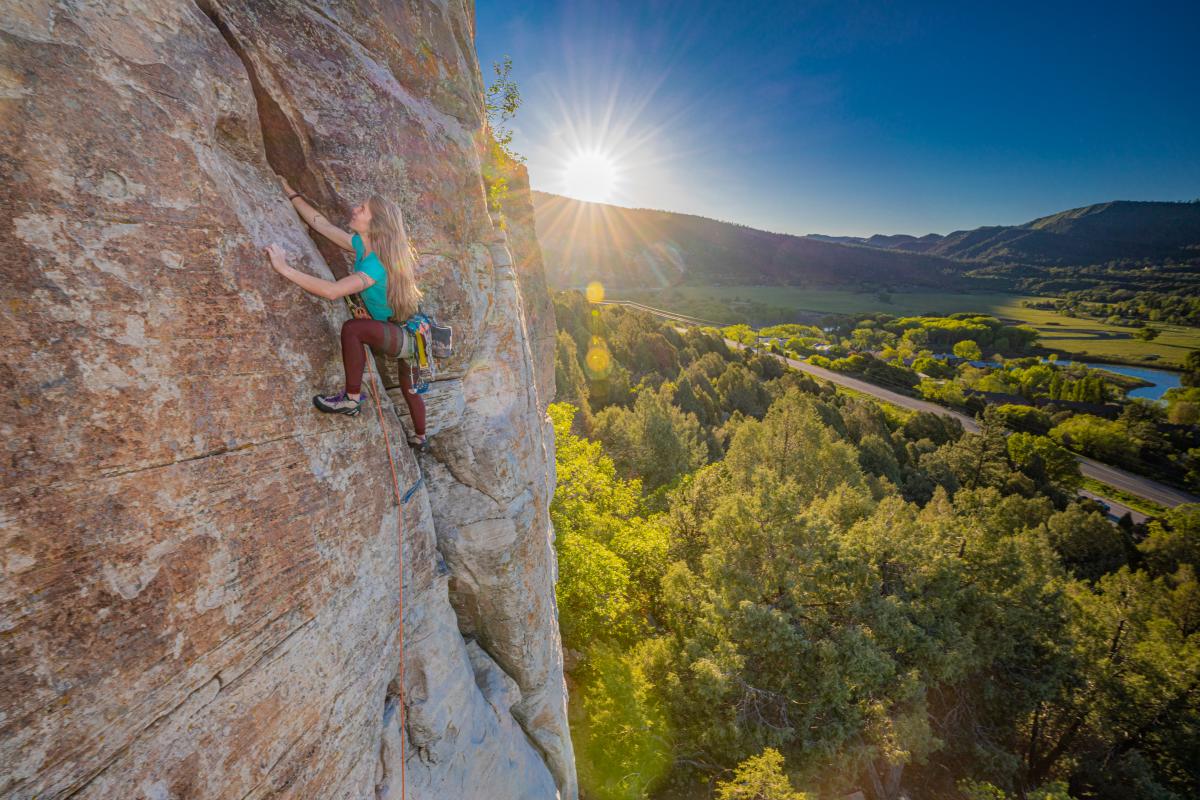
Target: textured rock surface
x=531 y=273
x=200 y=572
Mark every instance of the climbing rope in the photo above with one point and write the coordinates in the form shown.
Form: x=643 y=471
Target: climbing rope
x=400 y=550
x=400 y=500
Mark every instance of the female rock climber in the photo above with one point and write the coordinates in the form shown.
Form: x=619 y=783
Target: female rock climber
x=383 y=276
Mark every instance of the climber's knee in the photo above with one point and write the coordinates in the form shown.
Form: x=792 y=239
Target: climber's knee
x=353 y=329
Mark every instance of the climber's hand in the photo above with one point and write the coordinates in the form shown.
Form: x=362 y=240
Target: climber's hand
x=278 y=257
x=359 y=312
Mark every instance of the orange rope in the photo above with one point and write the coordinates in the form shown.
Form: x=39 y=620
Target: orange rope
x=400 y=545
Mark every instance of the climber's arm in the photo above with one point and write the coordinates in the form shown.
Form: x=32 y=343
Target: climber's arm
x=330 y=290
x=315 y=219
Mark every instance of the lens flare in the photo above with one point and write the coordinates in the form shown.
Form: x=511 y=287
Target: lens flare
x=595 y=292
x=598 y=361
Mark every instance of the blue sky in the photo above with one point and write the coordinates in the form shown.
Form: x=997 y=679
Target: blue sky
x=857 y=118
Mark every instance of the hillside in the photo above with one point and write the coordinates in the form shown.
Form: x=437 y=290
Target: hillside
x=637 y=248
x=1121 y=231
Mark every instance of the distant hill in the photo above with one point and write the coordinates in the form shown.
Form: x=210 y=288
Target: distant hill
x=1121 y=231
x=637 y=248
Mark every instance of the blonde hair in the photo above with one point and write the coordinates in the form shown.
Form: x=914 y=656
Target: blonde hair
x=390 y=242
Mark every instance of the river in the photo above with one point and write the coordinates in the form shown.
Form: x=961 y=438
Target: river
x=1161 y=378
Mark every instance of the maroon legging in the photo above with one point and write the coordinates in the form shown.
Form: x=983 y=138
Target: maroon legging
x=387 y=338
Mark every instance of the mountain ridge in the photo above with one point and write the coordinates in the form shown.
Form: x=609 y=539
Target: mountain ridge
x=628 y=247
x=633 y=248
x=1115 y=230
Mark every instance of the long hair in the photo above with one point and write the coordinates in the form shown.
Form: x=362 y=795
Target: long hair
x=390 y=242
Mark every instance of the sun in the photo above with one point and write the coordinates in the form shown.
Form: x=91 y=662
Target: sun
x=590 y=175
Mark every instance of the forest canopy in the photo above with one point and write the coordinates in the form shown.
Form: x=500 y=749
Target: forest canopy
x=817 y=594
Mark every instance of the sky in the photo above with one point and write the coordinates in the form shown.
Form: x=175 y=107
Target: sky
x=852 y=118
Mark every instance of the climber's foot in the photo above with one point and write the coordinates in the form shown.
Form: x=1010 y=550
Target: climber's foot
x=339 y=403
x=419 y=443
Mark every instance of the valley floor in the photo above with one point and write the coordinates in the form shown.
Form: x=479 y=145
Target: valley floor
x=1081 y=337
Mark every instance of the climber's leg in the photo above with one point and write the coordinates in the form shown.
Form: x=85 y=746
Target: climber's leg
x=416 y=403
x=355 y=334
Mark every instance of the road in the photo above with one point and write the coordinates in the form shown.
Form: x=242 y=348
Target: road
x=1090 y=468
x=1118 y=478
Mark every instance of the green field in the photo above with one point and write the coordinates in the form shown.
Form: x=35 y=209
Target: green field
x=1147 y=507
x=1081 y=337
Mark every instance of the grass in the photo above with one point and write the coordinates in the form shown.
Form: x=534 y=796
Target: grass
x=896 y=414
x=1080 y=337
x=1147 y=507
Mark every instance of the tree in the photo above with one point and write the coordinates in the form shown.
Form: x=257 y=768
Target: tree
x=592 y=592
x=619 y=731
x=1147 y=334
x=1044 y=461
x=976 y=460
x=759 y=777
x=969 y=350
x=740 y=390
x=501 y=101
x=743 y=334
x=1191 y=369
x=1095 y=436
x=570 y=386
x=1088 y=544
x=1136 y=685
x=876 y=456
x=794 y=442
x=654 y=440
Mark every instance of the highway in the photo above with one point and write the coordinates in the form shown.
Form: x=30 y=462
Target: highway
x=1119 y=478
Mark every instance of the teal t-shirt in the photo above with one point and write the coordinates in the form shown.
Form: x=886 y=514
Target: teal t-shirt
x=375 y=295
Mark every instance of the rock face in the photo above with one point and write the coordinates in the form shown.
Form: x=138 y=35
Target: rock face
x=201 y=573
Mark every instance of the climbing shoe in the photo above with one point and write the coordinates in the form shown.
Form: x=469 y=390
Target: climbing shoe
x=418 y=443
x=338 y=403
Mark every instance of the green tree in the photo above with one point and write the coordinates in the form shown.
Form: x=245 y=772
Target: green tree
x=876 y=456
x=1044 y=461
x=1191 y=369
x=609 y=555
x=654 y=440
x=569 y=384
x=620 y=735
x=1134 y=639
x=759 y=777
x=1095 y=436
x=1147 y=334
x=742 y=334
x=975 y=460
x=740 y=390
x=502 y=98
x=1090 y=546
x=592 y=592
x=793 y=441
x=968 y=349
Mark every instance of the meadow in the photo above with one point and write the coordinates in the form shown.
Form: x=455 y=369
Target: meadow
x=1081 y=337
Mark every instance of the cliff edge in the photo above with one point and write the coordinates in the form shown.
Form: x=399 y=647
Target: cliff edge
x=201 y=573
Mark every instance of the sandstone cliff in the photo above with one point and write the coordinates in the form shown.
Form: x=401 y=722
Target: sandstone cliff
x=201 y=573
